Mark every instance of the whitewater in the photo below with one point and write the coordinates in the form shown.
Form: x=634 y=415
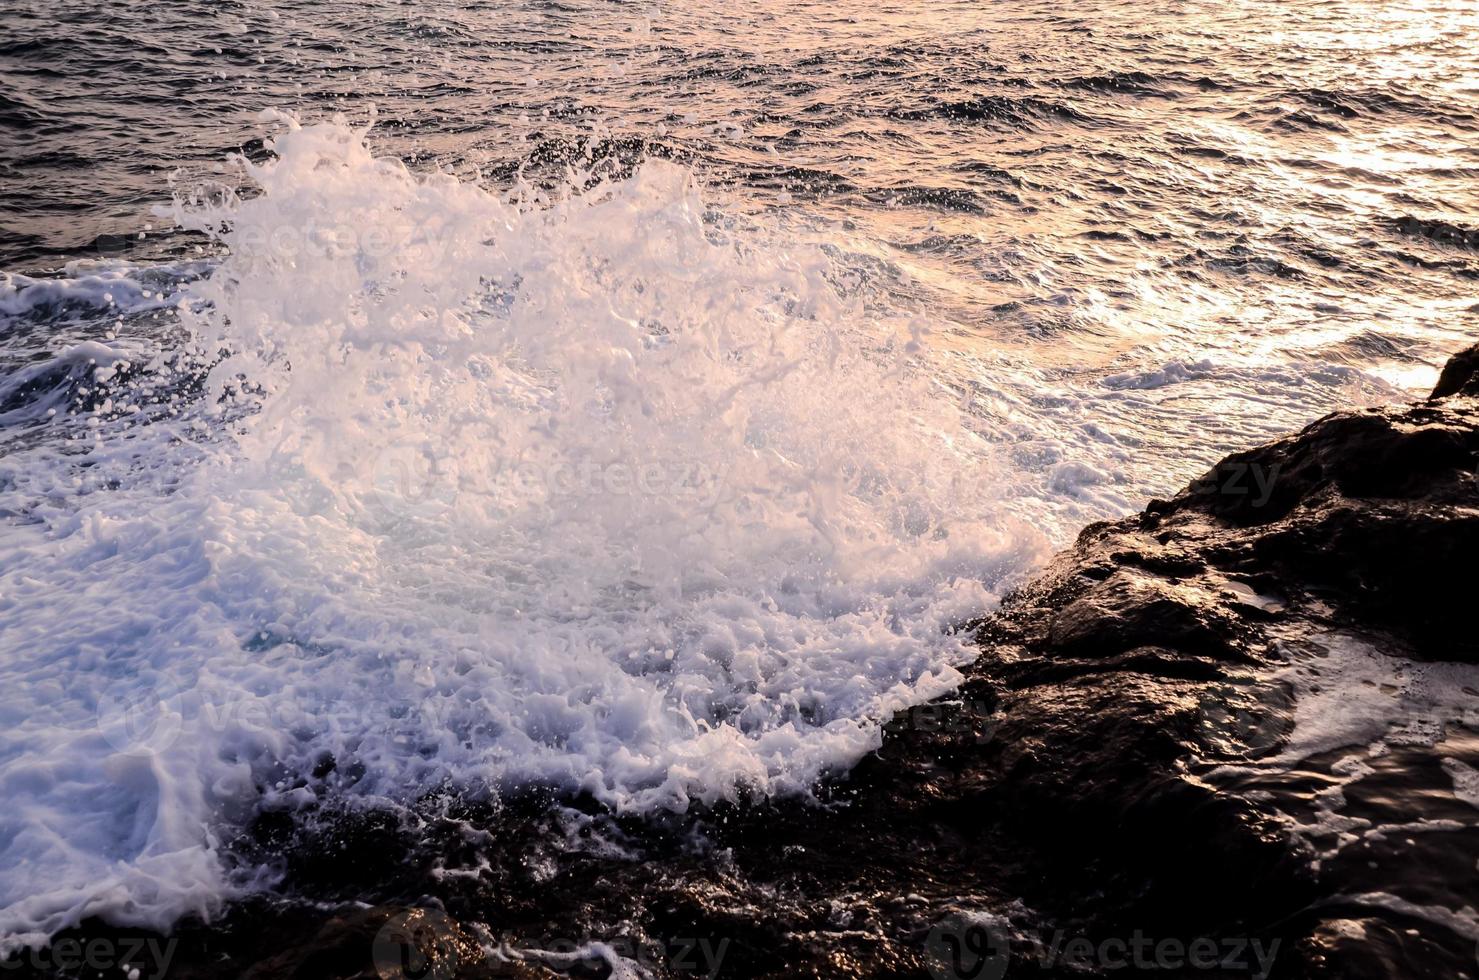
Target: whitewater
x=495 y=492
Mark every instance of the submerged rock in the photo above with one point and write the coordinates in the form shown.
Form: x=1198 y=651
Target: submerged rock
x=1234 y=735
x=1460 y=375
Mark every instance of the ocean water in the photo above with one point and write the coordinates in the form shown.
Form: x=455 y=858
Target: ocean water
x=628 y=399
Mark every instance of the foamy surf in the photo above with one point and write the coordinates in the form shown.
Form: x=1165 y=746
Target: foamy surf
x=451 y=487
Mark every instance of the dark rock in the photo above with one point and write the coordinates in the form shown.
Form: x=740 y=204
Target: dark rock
x=1460 y=375
x=1374 y=510
x=1132 y=609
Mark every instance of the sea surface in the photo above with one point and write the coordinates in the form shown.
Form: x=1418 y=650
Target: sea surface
x=628 y=398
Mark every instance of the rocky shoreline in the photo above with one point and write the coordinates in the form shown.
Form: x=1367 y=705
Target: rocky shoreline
x=1233 y=735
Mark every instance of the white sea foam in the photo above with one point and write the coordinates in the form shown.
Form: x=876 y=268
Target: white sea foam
x=588 y=493
x=96 y=286
x=1349 y=694
x=1354 y=695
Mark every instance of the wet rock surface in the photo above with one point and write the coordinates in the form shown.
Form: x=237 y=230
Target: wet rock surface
x=1233 y=735
x=1460 y=375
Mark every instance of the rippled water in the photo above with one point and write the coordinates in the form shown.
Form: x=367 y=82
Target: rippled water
x=892 y=299
x=1095 y=190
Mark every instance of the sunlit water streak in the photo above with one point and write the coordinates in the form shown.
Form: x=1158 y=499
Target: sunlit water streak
x=660 y=481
